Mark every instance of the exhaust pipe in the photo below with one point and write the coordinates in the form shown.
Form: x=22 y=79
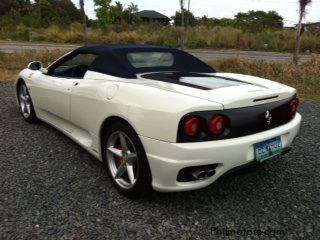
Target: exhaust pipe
x=210 y=172
x=195 y=173
x=199 y=174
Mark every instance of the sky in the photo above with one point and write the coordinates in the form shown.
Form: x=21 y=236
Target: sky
x=288 y=9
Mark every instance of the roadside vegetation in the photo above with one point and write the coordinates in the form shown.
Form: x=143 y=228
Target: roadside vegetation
x=306 y=77
x=12 y=63
x=62 y=22
x=216 y=37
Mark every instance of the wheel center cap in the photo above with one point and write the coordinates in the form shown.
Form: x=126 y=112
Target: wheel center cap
x=125 y=157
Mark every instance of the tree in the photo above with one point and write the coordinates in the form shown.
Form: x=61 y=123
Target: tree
x=53 y=12
x=258 y=20
x=58 y=12
x=302 y=12
x=189 y=16
x=7 y=5
x=84 y=22
x=130 y=14
x=119 y=15
x=116 y=13
x=133 y=8
x=211 y=22
x=45 y=15
x=39 y=13
x=102 y=12
x=225 y=22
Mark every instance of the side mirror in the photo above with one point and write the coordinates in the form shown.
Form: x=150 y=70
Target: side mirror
x=36 y=65
x=43 y=70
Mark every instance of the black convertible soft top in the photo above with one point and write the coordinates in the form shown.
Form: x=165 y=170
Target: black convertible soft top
x=112 y=60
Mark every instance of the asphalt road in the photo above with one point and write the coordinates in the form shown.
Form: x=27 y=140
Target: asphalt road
x=213 y=55
x=53 y=189
x=205 y=55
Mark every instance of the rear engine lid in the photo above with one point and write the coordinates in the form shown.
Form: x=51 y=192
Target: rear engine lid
x=230 y=90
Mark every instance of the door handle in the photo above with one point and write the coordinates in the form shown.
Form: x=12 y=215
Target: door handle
x=75 y=83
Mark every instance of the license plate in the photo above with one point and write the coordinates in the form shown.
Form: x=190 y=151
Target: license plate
x=268 y=149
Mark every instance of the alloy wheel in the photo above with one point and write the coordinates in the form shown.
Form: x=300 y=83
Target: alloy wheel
x=122 y=159
x=25 y=101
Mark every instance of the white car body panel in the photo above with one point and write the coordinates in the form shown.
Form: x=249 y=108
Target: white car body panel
x=166 y=159
x=90 y=106
x=79 y=107
x=237 y=96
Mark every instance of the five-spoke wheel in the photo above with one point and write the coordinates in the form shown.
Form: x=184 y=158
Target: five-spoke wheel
x=122 y=159
x=25 y=103
x=126 y=161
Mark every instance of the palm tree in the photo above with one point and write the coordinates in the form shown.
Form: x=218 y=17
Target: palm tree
x=84 y=22
x=302 y=12
x=133 y=8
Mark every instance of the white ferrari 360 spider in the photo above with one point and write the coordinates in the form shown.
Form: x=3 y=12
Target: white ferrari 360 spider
x=158 y=117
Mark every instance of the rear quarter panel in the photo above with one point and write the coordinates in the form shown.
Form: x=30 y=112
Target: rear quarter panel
x=152 y=112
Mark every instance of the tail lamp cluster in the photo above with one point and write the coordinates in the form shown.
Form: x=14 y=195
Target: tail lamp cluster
x=193 y=126
x=294 y=104
x=216 y=125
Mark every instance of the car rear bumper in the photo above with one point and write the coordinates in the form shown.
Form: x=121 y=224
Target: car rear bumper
x=167 y=159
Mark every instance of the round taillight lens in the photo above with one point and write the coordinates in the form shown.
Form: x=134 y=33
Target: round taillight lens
x=294 y=105
x=192 y=126
x=217 y=125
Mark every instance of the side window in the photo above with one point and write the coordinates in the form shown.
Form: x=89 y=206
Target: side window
x=75 y=67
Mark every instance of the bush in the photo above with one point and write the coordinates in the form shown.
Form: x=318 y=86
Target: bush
x=196 y=43
x=36 y=37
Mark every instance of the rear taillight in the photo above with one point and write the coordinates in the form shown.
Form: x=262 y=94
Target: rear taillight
x=192 y=126
x=294 y=105
x=217 y=125
x=203 y=127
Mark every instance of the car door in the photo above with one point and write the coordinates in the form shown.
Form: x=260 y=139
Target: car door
x=62 y=76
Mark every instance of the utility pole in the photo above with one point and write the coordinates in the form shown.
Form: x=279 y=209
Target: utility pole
x=182 y=24
x=300 y=29
x=84 y=22
x=188 y=16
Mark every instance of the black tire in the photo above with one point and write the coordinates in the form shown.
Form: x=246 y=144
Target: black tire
x=142 y=185
x=25 y=104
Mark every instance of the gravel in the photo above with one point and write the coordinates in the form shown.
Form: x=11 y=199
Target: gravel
x=53 y=189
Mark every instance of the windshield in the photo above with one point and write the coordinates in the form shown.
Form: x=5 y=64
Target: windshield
x=150 y=59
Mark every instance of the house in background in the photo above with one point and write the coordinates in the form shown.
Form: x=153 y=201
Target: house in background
x=311 y=27
x=315 y=25
x=153 y=16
